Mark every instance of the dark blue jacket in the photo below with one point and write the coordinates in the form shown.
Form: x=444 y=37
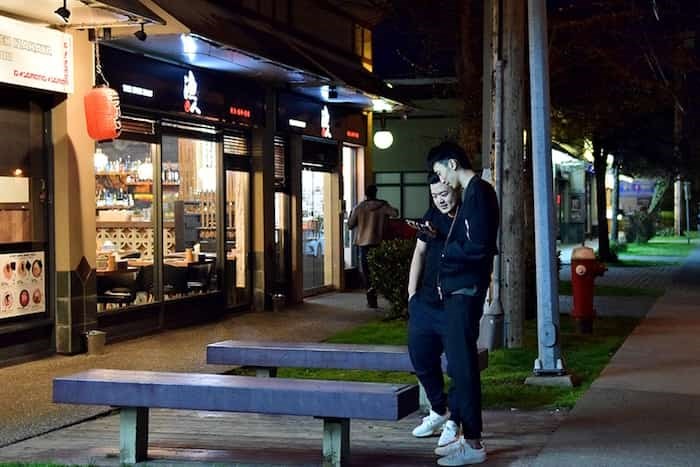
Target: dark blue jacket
x=467 y=259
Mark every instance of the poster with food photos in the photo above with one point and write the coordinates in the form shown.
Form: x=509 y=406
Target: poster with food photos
x=22 y=284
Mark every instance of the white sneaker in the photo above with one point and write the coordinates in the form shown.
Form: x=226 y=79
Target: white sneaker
x=463 y=454
x=432 y=425
x=448 y=436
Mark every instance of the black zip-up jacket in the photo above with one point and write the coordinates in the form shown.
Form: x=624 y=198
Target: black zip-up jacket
x=467 y=258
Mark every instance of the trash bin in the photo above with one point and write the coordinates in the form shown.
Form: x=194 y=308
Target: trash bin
x=96 y=342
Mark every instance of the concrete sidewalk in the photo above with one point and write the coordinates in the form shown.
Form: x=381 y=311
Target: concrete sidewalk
x=644 y=409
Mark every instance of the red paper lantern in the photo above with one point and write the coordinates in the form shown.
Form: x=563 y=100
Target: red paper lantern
x=102 y=113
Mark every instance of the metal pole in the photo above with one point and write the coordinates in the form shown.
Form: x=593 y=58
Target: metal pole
x=549 y=361
x=686 y=192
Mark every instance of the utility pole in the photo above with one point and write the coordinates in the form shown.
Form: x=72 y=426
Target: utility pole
x=491 y=329
x=549 y=362
x=512 y=218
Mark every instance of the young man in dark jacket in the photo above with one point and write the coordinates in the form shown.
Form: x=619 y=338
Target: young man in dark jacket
x=427 y=325
x=463 y=279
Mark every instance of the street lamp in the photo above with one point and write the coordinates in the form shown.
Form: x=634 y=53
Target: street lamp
x=383 y=138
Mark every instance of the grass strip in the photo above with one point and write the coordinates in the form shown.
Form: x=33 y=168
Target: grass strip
x=503 y=382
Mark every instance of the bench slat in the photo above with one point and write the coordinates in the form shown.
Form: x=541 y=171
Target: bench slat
x=317 y=355
x=341 y=399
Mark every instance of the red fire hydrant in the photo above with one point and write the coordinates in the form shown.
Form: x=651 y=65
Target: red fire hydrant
x=584 y=269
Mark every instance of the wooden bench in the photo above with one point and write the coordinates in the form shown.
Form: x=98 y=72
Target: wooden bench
x=266 y=357
x=137 y=391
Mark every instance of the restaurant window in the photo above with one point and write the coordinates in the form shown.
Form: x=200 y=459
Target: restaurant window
x=189 y=177
x=23 y=207
x=406 y=191
x=124 y=171
x=363 y=46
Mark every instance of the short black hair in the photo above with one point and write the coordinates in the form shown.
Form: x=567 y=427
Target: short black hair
x=371 y=191
x=445 y=151
x=433 y=178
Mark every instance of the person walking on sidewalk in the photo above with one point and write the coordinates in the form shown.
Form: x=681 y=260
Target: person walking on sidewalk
x=463 y=279
x=370 y=217
x=427 y=323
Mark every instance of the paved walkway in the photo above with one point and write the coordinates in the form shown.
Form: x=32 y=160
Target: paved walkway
x=90 y=435
x=644 y=409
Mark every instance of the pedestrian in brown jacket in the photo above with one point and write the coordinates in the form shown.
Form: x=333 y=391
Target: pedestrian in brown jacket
x=369 y=217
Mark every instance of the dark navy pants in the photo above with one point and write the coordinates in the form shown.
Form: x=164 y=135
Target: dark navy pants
x=463 y=315
x=427 y=335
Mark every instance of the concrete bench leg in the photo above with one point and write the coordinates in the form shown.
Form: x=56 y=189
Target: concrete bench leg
x=424 y=405
x=336 y=442
x=133 y=434
x=265 y=372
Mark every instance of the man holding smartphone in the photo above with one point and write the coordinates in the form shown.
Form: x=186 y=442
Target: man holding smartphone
x=427 y=326
x=464 y=275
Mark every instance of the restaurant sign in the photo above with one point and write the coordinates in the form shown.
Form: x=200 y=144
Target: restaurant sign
x=35 y=56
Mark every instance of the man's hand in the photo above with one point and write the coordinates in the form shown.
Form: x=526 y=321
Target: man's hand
x=422 y=227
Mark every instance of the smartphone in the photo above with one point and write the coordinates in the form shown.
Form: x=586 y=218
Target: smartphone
x=422 y=227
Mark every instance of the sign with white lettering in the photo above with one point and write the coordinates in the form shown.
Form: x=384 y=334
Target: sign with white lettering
x=35 y=56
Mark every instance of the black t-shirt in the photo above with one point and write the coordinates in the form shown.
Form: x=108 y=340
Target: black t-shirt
x=428 y=284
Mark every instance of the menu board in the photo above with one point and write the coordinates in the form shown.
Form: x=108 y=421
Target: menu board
x=22 y=284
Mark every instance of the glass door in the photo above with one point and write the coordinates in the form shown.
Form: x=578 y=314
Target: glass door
x=315 y=206
x=237 y=214
x=349 y=200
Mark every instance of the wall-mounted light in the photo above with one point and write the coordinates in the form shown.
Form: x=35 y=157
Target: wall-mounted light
x=63 y=12
x=141 y=34
x=383 y=138
x=332 y=92
x=18 y=172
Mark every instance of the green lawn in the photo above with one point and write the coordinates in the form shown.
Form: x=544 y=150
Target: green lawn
x=659 y=247
x=502 y=382
x=614 y=291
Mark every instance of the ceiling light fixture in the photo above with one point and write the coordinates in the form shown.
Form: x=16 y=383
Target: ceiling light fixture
x=141 y=34
x=63 y=12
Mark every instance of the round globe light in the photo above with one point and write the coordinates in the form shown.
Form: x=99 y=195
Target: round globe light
x=383 y=139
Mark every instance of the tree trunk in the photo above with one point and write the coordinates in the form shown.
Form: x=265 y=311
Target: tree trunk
x=600 y=166
x=512 y=228
x=469 y=69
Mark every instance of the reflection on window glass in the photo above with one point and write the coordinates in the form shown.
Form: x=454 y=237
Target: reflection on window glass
x=315 y=208
x=24 y=272
x=417 y=201
x=188 y=175
x=350 y=198
x=125 y=223
x=237 y=241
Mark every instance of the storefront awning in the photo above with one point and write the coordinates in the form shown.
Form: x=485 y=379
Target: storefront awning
x=134 y=9
x=253 y=47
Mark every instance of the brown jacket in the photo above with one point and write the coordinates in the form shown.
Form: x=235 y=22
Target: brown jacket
x=370 y=218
